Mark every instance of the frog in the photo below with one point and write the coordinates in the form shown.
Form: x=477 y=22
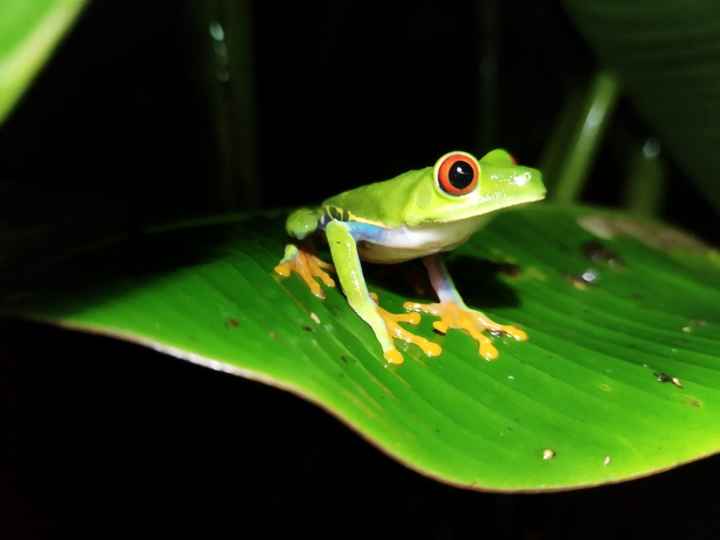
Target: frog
x=419 y=214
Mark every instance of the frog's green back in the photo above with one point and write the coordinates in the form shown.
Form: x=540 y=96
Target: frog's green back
x=382 y=203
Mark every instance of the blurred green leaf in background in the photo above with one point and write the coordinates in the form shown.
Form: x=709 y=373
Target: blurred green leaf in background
x=29 y=30
x=667 y=55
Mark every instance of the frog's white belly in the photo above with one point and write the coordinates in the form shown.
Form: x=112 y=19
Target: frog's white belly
x=405 y=243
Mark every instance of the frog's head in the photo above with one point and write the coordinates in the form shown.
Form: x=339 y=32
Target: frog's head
x=460 y=186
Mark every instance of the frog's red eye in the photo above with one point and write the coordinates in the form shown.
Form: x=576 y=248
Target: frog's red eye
x=457 y=173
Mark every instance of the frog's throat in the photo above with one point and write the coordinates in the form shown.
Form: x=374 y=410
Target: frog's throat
x=404 y=243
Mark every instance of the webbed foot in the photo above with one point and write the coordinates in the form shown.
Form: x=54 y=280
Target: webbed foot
x=391 y=320
x=308 y=267
x=475 y=323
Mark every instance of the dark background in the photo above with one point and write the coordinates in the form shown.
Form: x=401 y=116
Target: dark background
x=135 y=121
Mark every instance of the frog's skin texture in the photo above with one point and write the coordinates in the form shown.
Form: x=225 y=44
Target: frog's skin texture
x=418 y=214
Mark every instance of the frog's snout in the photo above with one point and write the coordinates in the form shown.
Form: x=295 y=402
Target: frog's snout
x=528 y=181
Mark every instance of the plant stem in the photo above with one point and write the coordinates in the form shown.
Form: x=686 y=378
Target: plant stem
x=645 y=183
x=577 y=138
x=224 y=31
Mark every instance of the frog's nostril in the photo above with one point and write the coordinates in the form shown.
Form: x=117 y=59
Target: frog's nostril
x=521 y=179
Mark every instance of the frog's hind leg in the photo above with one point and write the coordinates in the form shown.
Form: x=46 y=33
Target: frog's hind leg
x=454 y=313
x=384 y=324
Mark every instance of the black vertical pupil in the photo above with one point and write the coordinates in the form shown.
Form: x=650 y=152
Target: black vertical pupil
x=461 y=174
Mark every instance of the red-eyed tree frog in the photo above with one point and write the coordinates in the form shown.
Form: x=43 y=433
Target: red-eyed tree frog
x=420 y=213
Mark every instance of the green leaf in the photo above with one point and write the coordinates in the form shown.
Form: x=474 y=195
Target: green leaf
x=29 y=30
x=620 y=376
x=666 y=56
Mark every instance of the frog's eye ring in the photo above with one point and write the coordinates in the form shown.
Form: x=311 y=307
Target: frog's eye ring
x=457 y=173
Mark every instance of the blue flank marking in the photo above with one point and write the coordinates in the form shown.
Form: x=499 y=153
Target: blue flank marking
x=361 y=231
x=367 y=232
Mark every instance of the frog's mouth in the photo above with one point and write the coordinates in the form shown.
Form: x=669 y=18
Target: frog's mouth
x=470 y=212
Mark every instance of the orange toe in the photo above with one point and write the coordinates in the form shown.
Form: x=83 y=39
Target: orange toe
x=308 y=267
x=473 y=322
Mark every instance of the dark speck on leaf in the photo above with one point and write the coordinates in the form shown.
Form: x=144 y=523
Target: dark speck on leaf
x=663 y=377
x=344 y=358
x=508 y=269
x=232 y=323
x=307 y=328
x=598 y=253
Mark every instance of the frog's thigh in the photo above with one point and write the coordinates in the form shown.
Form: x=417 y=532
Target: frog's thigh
x=349 y=271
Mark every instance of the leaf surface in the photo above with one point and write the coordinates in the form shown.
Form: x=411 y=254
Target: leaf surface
x=620 y=376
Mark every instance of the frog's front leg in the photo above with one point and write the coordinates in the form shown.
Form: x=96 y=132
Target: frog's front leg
x=300 y=225
x=384 y=324
x=454 y=313
x=307 y=266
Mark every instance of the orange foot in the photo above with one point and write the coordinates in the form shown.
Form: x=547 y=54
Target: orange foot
x=473 y=322
x=394 y=356
x=308 y=266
